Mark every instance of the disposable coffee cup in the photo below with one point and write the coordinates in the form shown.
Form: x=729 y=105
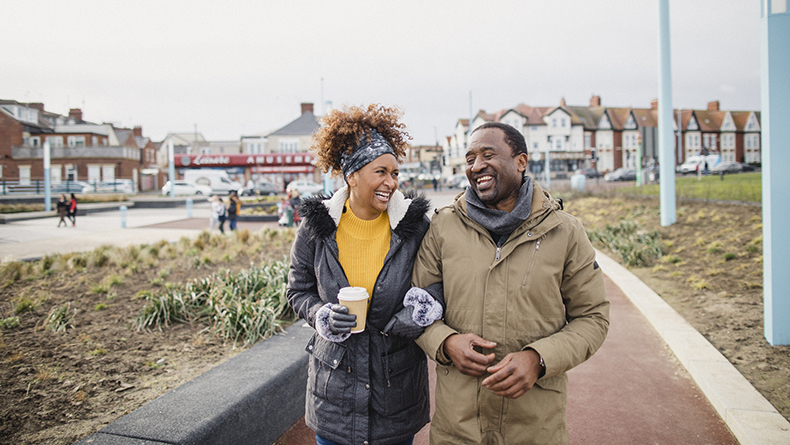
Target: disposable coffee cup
x=356 y=300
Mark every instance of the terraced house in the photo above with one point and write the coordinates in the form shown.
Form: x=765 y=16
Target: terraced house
x=607 y=138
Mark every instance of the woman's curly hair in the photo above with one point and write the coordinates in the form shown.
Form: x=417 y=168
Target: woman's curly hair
x=342 y=129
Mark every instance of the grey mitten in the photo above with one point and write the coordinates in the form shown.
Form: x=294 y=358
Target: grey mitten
x=334 y=323
x=402 y=325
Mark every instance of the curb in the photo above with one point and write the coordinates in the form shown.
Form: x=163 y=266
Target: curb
x=750 y=417
x=82 y=209
x=252 y=398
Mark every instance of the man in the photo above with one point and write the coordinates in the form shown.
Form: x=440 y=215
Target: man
x=525 y=301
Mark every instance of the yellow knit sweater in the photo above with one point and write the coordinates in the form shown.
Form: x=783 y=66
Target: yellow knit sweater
x=362 y=246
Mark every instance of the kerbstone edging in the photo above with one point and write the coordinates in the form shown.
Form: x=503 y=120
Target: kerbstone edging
x=750 y=417
x=252 y=398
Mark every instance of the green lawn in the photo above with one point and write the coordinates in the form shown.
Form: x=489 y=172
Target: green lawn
x=738 y=187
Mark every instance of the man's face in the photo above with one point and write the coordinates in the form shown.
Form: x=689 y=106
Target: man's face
x=493 y=172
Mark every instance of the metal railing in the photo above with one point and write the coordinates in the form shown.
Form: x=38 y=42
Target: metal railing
x=35 y=186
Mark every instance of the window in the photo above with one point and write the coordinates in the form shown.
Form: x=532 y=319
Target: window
x=55 y=174
x=205 y=150
x=55 y=141
x=554 y=122
x=562 y=122
x=587 y=140
x=558 y=144
x=108 y=172
x=24 y=175
x=94 y=173
x=94 y=141
x=35 y=141
x=76 y=141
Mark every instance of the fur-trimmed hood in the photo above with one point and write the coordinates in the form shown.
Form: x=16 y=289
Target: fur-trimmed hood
x=321 y=215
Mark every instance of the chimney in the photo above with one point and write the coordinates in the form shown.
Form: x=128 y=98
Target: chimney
x=138 y=131
x=76 y=114
x=654 y=104
x=307 y=108
x=562 y=102
x=37 y=105
x=713 y=106
x=595 y=101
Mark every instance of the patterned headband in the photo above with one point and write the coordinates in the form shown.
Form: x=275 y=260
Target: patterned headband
x=367 y=150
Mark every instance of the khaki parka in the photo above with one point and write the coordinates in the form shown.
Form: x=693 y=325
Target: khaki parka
x=541 y=290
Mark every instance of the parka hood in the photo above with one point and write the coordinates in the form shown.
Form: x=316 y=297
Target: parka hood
x=321 y=215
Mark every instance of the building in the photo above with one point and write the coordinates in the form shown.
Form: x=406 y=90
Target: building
x=608 y=138
x=80 y=150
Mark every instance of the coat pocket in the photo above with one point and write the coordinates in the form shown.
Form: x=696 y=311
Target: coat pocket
x=323 y=371
x=404 y=385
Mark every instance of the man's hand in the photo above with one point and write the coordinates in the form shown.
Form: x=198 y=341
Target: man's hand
x=459 y=348
x=515 y=374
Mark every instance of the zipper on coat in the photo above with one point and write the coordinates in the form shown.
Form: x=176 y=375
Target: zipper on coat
x=532 y=261
x=498 y=251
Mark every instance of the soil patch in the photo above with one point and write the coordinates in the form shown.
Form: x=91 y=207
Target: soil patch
x=711 y=274
x=60 y=387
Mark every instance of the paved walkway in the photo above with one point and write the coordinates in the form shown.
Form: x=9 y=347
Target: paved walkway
x=655 y=380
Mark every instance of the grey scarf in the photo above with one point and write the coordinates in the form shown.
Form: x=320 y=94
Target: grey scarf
x=500 y=222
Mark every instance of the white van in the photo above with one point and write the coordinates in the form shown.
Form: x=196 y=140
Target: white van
x=218 y=180
x=690 y=166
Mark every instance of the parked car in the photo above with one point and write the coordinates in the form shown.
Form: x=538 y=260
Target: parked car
x=732 y=167
x=590 y=172
x=186 y=188
x=305 y=188
x=261 y=188
x=621 y=174
x=116 y=186
x=72 y=187
x=456 y=180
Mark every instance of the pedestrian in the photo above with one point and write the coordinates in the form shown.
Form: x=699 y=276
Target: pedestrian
x=435 y=184
x=217 y=217
x=525 y=301
x=73 y=210
x=63 y=210
x=233 y=211
x=295 y=201
x=371 y=386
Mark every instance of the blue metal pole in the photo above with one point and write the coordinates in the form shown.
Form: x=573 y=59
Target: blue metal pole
x=171 y=170
x=123 y=216
x=47 y=165
x=666 y=153
x=775 y=104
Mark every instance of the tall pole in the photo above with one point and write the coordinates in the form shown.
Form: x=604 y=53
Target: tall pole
x=171 y=170
x=680 y=137
x=471 y=118
x=547 y=165
x=666 y=153
x=47 y=177
x=775 y=105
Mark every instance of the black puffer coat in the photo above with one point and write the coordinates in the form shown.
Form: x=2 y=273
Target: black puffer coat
x=371 y=388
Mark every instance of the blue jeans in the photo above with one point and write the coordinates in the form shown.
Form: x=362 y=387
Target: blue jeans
x=232 y=224
x=323 y=441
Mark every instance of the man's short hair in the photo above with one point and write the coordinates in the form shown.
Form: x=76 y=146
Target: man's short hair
x=513 y=137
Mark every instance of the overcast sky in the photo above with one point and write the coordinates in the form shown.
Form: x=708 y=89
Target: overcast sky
x=236 y=68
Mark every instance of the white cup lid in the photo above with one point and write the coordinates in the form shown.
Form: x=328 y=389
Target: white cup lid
x=352 y=294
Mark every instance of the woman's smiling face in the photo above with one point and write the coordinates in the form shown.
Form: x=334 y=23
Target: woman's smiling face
x=372 y=186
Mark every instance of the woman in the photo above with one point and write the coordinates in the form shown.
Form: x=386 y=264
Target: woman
x=368 y=387
x=62 y=210
x=217 y=217
x=73 y=210
x=233 y=211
